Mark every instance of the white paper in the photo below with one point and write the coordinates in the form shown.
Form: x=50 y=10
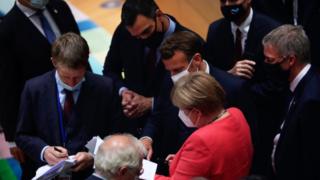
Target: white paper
x=94 y=144
x=149 y=170
x=48 y=172
x=98 y=143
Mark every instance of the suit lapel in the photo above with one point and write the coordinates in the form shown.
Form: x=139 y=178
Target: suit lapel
x=29 y=28
x=51 y=102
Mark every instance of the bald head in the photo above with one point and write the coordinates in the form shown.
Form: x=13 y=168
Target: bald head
x=119 y=155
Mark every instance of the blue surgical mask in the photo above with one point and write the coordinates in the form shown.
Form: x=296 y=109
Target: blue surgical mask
x=39 y=4
x=67 y=87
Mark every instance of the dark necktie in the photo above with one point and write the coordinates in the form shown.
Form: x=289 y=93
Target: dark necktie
x=68 y=105
x=46 y=27
x=238 y=46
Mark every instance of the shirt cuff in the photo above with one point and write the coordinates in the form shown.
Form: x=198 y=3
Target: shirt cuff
x=42 y=153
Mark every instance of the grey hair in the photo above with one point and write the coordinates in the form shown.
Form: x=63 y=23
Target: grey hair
x=289 y=40
x=109 y=160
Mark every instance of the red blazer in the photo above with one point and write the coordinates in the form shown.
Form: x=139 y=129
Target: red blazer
x=221 y=150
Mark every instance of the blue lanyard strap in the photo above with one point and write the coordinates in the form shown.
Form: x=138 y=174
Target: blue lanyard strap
x=63 y=133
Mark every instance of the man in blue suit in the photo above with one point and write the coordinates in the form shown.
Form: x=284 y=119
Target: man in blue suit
x=63 y=109
x=25 y=50
x=181 y=54
x=296 y=146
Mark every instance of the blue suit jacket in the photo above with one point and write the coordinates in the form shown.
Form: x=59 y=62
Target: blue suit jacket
x=167 y=130
x=94 y=114
x=297 y=153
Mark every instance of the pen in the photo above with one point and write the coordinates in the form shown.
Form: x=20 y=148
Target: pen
x=56 y=149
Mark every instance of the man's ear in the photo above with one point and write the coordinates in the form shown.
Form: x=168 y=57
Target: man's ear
x=158 y=13
x=197 y=59
x=122 y=171
x=54 y=62
x=292 y=60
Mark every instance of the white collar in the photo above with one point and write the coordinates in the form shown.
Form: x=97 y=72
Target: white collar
x=298 y=78
x=26 y=10
x=207 y=70
x=245 y=26
x=97 y=175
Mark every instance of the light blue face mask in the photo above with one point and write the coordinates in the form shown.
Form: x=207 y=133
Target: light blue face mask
x=39 y=4
x=69 y=88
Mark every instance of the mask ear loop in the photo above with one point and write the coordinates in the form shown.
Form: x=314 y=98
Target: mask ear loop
x=191 y=63
x=198 y=118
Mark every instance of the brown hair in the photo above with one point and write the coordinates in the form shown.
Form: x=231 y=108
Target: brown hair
x=187 y=42
x=70 y=50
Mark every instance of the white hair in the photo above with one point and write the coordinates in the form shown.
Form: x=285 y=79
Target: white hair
x=109 y=160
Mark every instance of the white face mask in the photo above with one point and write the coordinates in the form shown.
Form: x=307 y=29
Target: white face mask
x=69 y=88
x=39 y=4
x=186 y=120
x=179 y=75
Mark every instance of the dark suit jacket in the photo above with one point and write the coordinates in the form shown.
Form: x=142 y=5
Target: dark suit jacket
x=220 y=48
x=127 y=54
x=167 y=130
x=94 y=114
x=25 y=53
x=297 y=153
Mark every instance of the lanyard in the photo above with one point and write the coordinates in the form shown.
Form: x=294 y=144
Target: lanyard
x=63 y=133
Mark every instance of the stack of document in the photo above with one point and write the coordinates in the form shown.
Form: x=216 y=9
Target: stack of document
x=49 y=172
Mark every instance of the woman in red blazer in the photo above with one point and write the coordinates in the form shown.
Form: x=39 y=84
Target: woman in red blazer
x=221 y=148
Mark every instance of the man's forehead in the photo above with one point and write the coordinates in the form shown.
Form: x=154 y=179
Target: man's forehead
x=141 y=23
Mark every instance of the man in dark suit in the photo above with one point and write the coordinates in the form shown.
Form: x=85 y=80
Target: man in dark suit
x=234 y=42
x=298 y=12
x=63 y=109
x=134 y=51
x=119 y=157
x=296 y=150
x=234 y=45
x=25 y=49
x=181 y=54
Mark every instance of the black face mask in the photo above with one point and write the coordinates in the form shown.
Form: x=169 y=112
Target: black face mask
x=277 y=74
x=233 y=12
x=155 y=39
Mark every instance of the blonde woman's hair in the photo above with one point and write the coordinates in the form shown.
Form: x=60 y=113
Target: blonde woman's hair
x=198 y=90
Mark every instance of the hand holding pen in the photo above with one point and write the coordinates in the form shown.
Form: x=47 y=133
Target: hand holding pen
x=54 y=154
